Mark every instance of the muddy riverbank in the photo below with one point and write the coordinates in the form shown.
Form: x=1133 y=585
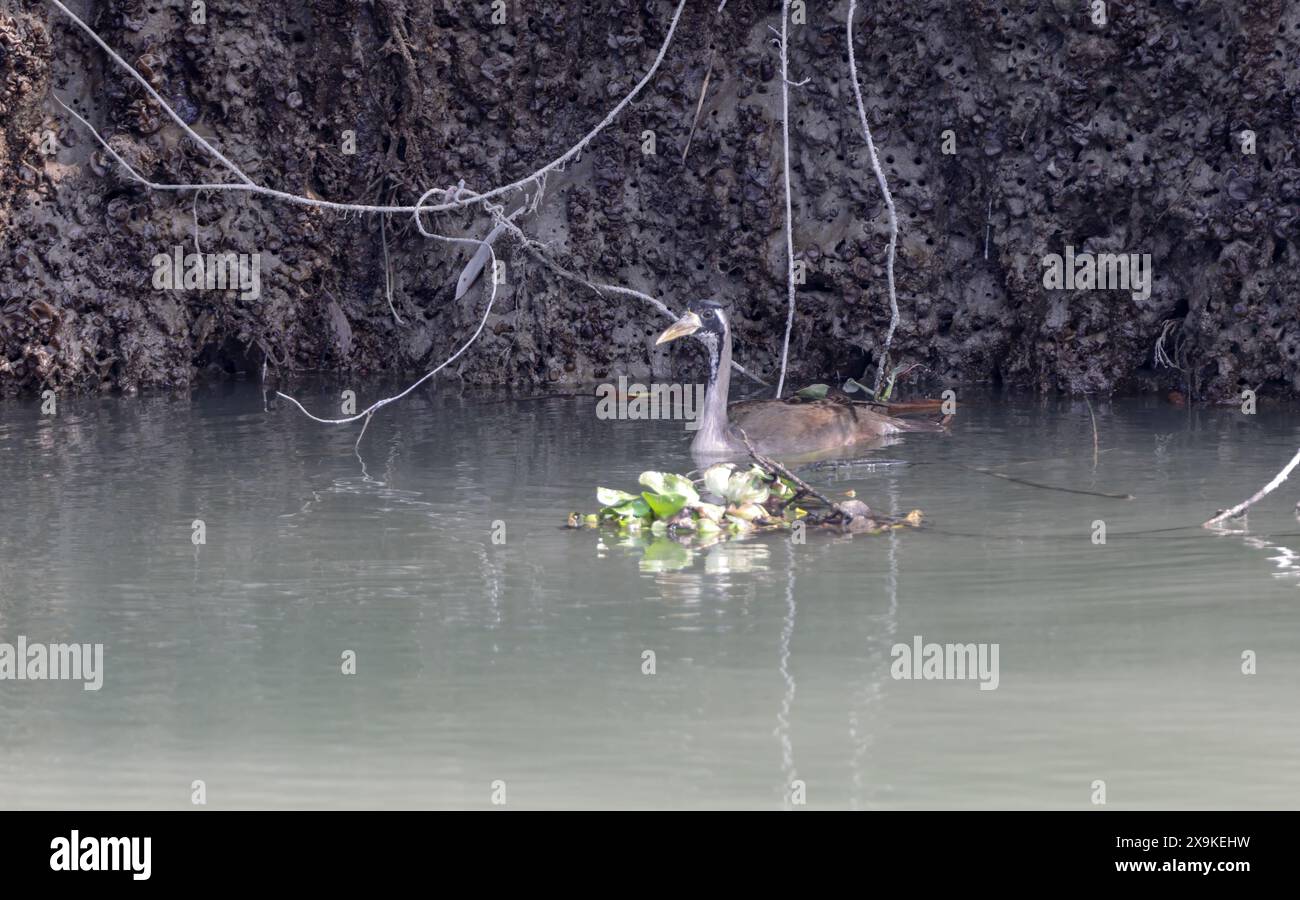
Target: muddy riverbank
x=1125 y=137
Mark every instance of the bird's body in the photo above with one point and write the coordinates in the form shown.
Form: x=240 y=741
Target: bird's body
x=778 y=427
x=773 y=427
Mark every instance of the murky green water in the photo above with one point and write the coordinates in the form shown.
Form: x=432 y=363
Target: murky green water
x=522 y=662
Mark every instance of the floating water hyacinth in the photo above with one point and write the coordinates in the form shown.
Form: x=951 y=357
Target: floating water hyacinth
x=672 y=502
x=727 y=500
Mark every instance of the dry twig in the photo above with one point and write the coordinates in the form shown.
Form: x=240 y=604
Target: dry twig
x=1260 y=494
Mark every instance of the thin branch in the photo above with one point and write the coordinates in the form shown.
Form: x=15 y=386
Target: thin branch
x=578 y=147
x=234 y=169
x=257 y=189
x=1093 y=416
x=197 y=249
x=789 y=216
x=380 y=404
x=704 y=89
x=356 y=447
x=777 y=469
x=533 y=248
x=388 y=272
x=1162 y=357
x=988 y=226
x=889 y=201
x=459 y=199
x=1257 y=496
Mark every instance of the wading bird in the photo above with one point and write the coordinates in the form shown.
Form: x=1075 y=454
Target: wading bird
x=778 y=427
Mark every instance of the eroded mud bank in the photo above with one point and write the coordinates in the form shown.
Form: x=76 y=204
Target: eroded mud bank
x=1123 y=137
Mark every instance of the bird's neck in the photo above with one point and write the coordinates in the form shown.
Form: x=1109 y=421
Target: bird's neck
x=714 y=426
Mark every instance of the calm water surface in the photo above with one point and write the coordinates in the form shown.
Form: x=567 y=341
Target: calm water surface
x=522 y=662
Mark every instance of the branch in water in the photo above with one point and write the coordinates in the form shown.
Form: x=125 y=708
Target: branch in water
x=774 y=466
x=1263 y=492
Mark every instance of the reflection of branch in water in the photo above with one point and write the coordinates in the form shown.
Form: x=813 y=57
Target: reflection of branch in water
x=873 y=688
x=356 y=449
x=835 y=465
x=783 y=717
x=1046 y=487
x=368 y=484
x=492 y=572
x=393 y=446
x=1287 y=560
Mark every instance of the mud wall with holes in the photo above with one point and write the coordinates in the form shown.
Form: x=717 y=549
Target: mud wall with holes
x=1124 y=137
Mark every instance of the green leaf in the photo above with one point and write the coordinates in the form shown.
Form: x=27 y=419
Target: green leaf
x=889 y=387
x=654 y=481
x=813 y=392
x=611 y=497
x=665 y=506
x=668 y=483
x=634 y=508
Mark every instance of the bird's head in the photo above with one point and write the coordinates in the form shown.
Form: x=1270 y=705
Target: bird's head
x=703 y=319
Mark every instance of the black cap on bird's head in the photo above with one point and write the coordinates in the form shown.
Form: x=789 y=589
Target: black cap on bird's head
x=705 y=319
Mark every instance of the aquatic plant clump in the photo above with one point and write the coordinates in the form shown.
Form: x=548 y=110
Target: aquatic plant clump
x=730 y=500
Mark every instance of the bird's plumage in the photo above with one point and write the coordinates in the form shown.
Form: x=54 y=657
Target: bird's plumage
x=774 y=427
x=780 y=427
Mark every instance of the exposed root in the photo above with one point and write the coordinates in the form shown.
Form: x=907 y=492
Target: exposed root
x=889 y=202
x=456 y=197
x=789 y=216
x=459 y=197
x=1162 y=357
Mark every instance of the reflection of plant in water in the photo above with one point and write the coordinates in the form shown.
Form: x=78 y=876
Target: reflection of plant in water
x=665 y=555
x=661 y=553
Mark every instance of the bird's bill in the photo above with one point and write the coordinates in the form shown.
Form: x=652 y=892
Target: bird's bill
x=687 y=324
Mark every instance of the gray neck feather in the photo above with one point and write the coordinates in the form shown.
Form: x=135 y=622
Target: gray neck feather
x=714 y=432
